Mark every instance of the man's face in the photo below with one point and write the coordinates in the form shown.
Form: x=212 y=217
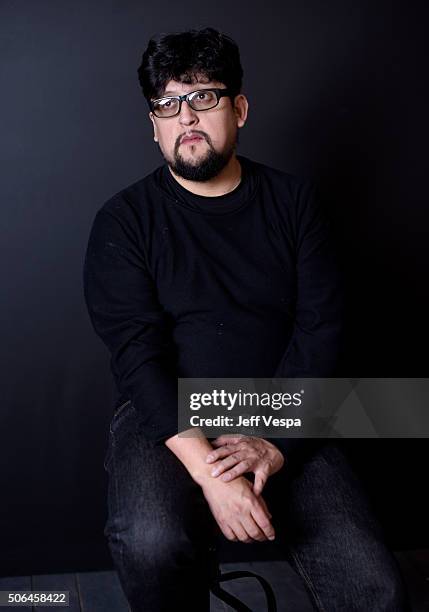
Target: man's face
x=217 y=128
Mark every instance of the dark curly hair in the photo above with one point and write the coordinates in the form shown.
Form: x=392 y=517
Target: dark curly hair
x=184 y=56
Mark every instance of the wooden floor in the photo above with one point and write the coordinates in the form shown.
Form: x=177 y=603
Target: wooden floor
x=102 y=592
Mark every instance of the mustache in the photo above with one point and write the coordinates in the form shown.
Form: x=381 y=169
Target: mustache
x=197 y=132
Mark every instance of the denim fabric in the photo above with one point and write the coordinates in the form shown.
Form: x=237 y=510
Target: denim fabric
x=160 y=529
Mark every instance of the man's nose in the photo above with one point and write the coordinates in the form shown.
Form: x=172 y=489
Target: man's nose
x=187 y=115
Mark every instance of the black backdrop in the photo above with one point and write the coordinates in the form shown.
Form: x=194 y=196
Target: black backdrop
x=345 y=82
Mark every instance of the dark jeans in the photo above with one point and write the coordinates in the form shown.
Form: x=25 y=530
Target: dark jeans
x=159 y=529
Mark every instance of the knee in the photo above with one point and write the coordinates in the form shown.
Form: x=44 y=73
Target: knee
x=158 y=544
x=384 y=586
x=157 y=564
x=392 y=590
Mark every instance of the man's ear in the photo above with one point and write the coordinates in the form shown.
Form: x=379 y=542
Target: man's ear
x=155 y=129
x=241 y=107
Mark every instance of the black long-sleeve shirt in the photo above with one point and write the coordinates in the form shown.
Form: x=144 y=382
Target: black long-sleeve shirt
x=240 y=285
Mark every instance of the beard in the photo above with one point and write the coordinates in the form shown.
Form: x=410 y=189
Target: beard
x=204 y=168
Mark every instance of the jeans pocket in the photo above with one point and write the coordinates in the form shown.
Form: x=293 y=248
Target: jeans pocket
x=120 y=415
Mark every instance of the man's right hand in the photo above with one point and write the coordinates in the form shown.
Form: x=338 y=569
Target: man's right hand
x=240 y=514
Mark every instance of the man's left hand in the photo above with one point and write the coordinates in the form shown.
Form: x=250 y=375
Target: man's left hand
x=236 y=455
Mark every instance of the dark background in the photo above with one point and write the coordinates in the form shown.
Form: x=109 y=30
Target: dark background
x=337 y=91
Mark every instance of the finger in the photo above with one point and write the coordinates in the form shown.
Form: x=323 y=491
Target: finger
x=241 y=533
x=227 y=439
x=259 y=483
x=227 y=463
x=262 y=520
x=241 y=468
x=219 y=453
x=253 y=530
x=229 y=533
x=265 y=507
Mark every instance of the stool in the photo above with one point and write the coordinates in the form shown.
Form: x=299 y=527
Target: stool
x=216 y=577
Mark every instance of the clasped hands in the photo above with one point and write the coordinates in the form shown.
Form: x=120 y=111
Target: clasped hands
x=236 y=504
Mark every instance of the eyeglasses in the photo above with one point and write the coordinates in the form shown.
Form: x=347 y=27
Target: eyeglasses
x=200 y=100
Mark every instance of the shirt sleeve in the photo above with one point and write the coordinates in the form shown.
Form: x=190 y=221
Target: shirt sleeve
x=125 y=313
x=315 y=343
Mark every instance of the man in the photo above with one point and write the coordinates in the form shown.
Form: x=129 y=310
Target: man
x=215 y=265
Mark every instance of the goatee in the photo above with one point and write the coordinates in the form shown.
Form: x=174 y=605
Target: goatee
x=209 y=167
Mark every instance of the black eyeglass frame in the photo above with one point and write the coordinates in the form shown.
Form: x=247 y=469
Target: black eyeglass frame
x=220 y=93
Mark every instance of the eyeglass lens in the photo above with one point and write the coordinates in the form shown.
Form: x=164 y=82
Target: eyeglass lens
x=199 y=100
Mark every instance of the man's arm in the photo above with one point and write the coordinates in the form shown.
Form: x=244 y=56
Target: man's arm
x=192 y=452
x=314 y=347
x=125 y=313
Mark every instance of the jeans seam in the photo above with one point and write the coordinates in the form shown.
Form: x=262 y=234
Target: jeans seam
x=109 y=451
x=118 y=508
x=307 y=579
